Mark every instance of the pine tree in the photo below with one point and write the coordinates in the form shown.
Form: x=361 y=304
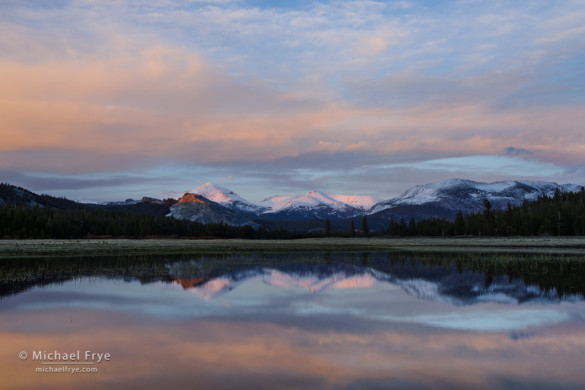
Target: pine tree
x=327 y=227
x=365 y=227
x=392 y=227
x=488 y=218
x=459 y=225
x=411 y=227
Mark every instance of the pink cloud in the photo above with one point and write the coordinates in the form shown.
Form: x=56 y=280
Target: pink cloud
x=154 y=102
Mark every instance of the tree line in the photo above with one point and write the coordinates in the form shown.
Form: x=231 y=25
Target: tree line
x=23 y=221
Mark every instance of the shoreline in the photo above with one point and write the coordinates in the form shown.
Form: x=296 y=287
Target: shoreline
x=107 y=247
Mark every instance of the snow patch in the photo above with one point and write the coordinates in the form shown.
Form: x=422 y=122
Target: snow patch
x=458 y=190
x=316 y=199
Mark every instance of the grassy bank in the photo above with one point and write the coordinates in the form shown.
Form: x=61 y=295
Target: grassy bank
x=100 y=247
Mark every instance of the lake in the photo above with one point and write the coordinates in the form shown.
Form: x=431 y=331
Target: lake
x=313 y=321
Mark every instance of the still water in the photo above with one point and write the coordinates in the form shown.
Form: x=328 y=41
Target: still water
x=310 y=321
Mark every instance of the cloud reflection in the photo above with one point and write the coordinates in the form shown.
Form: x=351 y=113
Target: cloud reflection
x=148 y=353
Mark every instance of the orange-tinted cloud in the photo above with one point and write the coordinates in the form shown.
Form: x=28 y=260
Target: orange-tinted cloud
x=170 y=104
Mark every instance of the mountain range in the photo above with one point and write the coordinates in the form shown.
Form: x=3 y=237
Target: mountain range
x=211 y=203
x=315 y=204
x=442 y=199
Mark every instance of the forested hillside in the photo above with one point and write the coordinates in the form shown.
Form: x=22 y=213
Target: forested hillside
x=563 y=214
x=21 y=221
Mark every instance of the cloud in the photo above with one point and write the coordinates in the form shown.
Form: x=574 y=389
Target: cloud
x=88 y=88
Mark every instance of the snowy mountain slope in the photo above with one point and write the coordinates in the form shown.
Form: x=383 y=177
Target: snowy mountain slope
x=312 y=199
x=226 y=198
x=364 y=202
x=317 y=204
x=277 y=202
x=452 y=195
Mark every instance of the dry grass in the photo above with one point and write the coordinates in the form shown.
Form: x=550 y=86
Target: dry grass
x=106 y=247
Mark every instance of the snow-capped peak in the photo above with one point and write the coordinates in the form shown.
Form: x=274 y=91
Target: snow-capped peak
x=315 y=198
x=216 y=193
x=224 y=196
x=318 y=198
x=469 y=195
x=363 y=202
x=314 y=203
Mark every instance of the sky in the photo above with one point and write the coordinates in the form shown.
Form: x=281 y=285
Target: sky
x=108 y=100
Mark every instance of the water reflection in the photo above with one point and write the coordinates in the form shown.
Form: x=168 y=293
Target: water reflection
x=314 y=321
x=445 y=283
x=458 y=279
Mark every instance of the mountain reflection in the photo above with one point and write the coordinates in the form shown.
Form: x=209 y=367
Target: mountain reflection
x=445 y=283
x=456 y=279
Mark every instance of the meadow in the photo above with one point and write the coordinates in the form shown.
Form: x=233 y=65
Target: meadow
x=108 y=247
